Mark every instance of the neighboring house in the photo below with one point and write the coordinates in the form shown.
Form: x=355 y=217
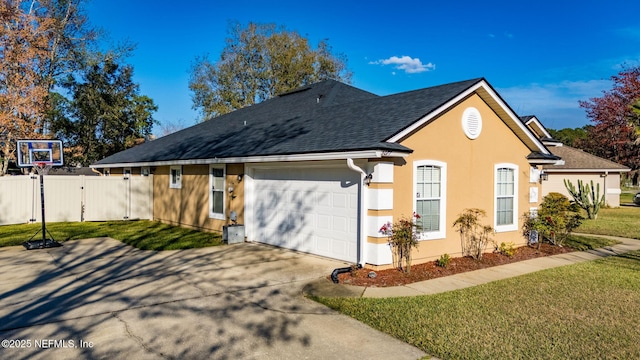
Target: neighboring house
x=322 y=168
x=577 y=165
x=74 y=171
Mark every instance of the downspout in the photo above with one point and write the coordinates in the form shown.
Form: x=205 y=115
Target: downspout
x=364 y=195
x=606 y=174
x=363 y=220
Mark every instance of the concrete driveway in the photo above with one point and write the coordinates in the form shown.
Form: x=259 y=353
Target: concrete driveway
x=99 y=298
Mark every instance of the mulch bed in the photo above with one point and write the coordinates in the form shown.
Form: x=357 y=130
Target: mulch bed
x=429 y=270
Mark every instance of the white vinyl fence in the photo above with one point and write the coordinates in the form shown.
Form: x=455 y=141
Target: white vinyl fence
x=75 y=198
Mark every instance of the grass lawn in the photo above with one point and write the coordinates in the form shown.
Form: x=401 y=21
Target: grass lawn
x=583 y=311
x=623 y=221
x=143 y=234
x=627 y=197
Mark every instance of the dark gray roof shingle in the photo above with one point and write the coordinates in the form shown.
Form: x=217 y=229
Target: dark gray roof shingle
x=324 y=117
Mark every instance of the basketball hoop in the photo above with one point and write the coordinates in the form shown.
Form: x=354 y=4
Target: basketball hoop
x=41 y=155
x=42 y=167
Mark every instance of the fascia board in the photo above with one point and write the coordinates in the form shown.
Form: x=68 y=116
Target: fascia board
x=262 y=159
x=550 y=170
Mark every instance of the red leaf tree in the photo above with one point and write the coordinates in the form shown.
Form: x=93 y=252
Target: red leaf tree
x=616 y=120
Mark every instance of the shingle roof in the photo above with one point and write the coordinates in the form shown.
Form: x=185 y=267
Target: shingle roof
x=576 y=159
x=324 y=117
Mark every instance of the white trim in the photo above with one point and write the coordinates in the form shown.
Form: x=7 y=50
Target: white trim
x=374 y=223
x=222 y=215
x=540 y=126
x=380 y=199
x=379 y=254
x=383 y=172
x=178 y=183
x=514 y=225
x=534 y=175
x=442 y=232
x=443 y=108
x=365 y=154
x=548 y=170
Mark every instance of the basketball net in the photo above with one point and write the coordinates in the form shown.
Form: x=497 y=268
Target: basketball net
x=42 y=167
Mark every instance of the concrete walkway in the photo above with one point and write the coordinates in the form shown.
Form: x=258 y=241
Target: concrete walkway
x=326 y=288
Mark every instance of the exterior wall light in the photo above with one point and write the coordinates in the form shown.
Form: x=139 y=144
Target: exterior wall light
x=544 y=176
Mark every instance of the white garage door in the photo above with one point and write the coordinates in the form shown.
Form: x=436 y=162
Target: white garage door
x=314 y=210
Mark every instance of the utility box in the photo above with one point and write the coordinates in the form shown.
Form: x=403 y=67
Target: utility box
x=233 y=234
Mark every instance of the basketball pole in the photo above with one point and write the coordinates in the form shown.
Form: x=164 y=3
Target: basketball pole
x=41 y=155
x=45 y=242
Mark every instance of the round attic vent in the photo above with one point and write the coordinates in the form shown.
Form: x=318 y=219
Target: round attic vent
x=471 y=122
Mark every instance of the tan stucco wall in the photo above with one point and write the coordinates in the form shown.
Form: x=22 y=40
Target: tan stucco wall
x=611 y=182
x=189 y=205
x=470 y=173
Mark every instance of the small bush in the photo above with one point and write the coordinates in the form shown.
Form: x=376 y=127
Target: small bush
x=403 y=236
x=554 y=221
x=507 y=249
x=474 y=236
x=443 y=261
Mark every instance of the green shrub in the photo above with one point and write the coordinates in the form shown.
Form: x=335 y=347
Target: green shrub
x=402 y=236
x=507 y=249
x=443 y=261
x=474 y=237
x=554 y=221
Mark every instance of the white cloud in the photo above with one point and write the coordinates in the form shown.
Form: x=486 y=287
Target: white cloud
x=406 y=63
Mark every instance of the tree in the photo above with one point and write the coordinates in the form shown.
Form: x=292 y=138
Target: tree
x=257 y=63
x=106 y=114
x=23 y=41
x=614 y=135
x=568 y=136
x=40 y=42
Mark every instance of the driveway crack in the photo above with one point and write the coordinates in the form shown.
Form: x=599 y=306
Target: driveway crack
x=138 y=339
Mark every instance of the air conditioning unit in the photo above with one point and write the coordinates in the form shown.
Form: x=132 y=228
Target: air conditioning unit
x=233 y=234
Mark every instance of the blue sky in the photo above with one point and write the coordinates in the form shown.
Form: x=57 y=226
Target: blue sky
x=541 y=56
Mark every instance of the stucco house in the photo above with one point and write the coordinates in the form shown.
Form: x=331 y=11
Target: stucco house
x=576 y=165
x=322 y=168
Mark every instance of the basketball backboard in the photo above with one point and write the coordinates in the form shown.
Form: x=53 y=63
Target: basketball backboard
x=31 y=152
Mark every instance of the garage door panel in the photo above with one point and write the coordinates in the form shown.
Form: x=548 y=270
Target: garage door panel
x=311 y=210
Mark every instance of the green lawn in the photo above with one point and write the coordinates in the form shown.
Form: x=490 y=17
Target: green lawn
x=627 y=197
x=146 y=235
x=583 y=311
x=623 y=221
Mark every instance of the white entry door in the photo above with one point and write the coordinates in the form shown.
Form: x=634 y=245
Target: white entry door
x=313 y=210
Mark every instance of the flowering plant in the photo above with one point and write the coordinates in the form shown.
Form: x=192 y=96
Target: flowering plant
x=403 y=235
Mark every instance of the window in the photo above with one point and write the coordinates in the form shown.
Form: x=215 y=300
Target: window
x=145 y=171
x=127 y=173
x=216 y=197
x=506 y=197
x=175 y=177
x=429 y=198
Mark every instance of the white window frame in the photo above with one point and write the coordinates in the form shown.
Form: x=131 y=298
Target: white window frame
x=514 y=221
x=441 y=233
x=222 y=215
x=178 y=183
